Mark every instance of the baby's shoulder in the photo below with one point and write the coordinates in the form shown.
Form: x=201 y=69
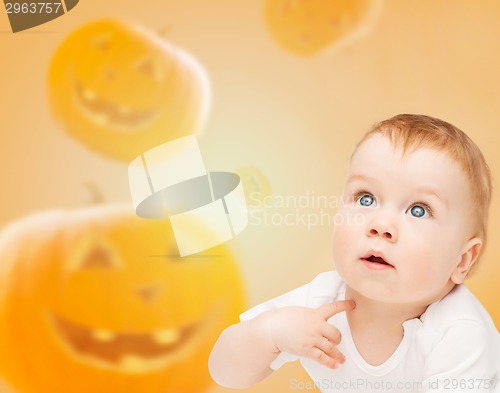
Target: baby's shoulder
x=324 y=288
x=458 y=309
x=457 y=324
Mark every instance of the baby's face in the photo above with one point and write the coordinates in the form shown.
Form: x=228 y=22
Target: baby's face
x=413 y=212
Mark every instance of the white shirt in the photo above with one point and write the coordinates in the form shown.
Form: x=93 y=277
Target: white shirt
x=453 y=347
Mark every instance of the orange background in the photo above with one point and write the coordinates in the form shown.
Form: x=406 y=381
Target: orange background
x=296 y=119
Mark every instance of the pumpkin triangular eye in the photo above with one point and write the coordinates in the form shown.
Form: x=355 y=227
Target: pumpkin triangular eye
x=92 y=253
x=98 y=257
x=102 y=42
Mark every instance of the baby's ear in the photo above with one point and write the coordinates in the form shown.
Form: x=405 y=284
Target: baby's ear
x=470 y=252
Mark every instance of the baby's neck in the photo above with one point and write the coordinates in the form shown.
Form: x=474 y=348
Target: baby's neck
x=377 y=328
x=374 y=312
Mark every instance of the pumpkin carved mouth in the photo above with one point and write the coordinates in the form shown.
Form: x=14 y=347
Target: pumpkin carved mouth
x=128 y=352
x=106 y=113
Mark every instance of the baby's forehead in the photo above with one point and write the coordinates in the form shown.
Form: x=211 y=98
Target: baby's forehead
x=379 y=144
x=380 y=156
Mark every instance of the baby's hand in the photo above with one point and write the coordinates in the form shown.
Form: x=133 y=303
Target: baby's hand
x=304 y=332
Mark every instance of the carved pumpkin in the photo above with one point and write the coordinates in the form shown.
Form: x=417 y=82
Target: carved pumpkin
x=97 y=301
x=305 y=27
x=121 y=90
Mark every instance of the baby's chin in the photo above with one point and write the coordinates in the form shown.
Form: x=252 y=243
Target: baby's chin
x=378 y=294
x=375 y=291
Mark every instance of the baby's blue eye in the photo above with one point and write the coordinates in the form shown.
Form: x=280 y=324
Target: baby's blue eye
x=418 y=211
x=366 y=200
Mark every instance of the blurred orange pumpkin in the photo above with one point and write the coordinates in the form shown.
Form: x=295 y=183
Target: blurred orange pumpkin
x=306 y=27
x=121 y=90
x=97 y=301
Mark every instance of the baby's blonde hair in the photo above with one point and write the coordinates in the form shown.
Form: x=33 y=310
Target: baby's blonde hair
x=410 y=132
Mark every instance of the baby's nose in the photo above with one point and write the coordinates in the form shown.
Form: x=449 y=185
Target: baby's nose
x=382 y=228
x=386 y=234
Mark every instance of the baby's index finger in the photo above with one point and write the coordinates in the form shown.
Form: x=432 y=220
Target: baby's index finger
x=330 y=309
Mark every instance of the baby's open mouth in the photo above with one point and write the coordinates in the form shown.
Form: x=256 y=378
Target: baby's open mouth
x=376 y=259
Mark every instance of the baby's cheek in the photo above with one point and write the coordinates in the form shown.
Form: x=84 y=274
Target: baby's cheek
x=350 y=220
x=344 y=236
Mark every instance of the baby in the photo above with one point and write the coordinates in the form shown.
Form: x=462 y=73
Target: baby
x=394 y=315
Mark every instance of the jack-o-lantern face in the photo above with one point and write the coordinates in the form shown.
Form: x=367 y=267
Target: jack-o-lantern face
x=99 y=301
x=121 y=90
